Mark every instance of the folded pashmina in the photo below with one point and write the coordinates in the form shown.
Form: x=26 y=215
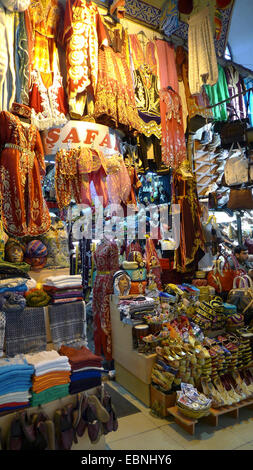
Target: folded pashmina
x=25 y=331
x=68 y=324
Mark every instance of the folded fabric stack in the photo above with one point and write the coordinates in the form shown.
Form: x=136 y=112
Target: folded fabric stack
x=15 y=382
x=135 y=309
x=86 y=368
x=64 y=288
x=51 y=376
x=15 y=284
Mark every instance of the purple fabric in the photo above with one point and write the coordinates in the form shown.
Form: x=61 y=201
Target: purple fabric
x=236 y=107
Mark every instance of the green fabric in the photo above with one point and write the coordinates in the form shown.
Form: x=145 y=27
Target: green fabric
x=217 y=93
x=23 y=266
x=37 y=298
x=51 y=394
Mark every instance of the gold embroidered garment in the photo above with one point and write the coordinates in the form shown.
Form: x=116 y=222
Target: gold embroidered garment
x=24 y=210
x=115 y=103
x=146 y=85
x=83 y=35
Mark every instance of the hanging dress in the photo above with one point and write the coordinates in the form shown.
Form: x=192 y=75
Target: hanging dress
x=236 y=107
x=83 y=35
x=106 y=260
x=173 y=139
x=192 y=245
x=115 y=104
x=46 y=97
x=24 y=210
x=217 y=93
x=196 y=104
x=145 y=71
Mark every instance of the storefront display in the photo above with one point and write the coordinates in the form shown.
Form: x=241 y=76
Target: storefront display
x=142 y=126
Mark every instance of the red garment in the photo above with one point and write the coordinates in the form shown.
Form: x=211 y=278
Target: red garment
x=173 y=139
x=24 y=210
x=167 y=65
x=81 y=357
x=83 y=35
x=192 y=245
x=107 y=263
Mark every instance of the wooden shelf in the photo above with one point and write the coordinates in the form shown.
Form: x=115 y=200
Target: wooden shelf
x=188 y=424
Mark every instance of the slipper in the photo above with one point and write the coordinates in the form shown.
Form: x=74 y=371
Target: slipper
x=81 y=423
x=102 y=413
x=14 y=438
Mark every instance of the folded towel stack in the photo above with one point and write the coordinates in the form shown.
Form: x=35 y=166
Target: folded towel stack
x=51 y=376
x=86 y=368
x=64 y=288
x=15 y=382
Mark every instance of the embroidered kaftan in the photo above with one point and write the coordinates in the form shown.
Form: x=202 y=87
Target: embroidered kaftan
x=83 y=35
x=47 y=98
x=115 y=103
x=106 y=258
x=24 y=210
x=173 y=139
x=146 y=85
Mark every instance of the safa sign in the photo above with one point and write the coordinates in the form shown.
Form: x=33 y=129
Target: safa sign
x=84 y=133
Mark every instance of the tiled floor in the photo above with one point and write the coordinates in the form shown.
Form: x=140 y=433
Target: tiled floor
x=143 y=431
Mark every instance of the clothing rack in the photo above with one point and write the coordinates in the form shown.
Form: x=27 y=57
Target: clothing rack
x=229 y=99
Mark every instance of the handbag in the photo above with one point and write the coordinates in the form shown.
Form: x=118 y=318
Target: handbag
x=242 y=296
x=222 y=278
x=233 y=131
x=240 y=199
x=236 y=170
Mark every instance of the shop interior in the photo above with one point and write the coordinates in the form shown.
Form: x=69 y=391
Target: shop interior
x=126 y=225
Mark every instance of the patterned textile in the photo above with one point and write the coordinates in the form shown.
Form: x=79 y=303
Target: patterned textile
x=21 y=167
x=74 y=171
x=25 y=332
x=192 y=244
x=2 y=332
x=236 y=107
x=146 y=85
x=83 y=35
x=203 y=66
x=107 y=263
x=68 y=324
x=115 y=103
x=173 y=139
x=47 y=98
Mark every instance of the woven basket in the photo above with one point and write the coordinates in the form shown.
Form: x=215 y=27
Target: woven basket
x=195 y=414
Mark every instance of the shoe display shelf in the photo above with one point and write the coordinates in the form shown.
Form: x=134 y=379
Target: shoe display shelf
x=188 y=424
x=132 y=369
x=49 y=408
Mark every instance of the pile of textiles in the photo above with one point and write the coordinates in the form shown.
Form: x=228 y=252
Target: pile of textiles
x=15 y=382
x=18 y=284
x=65 y=288
x=86 y=368
x=37 y=298
x=135 y=309
x=51 y=376
x=68 y=324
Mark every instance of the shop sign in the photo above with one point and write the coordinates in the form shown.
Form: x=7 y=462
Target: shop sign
x=76 y=133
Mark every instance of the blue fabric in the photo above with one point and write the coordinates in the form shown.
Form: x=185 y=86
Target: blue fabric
x=21 y=288
x=249 y=84
x=85 y=375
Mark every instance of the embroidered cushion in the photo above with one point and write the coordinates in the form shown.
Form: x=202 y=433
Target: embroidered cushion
x=16 y=5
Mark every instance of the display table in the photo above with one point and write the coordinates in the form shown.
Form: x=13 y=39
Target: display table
x=133 y=369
